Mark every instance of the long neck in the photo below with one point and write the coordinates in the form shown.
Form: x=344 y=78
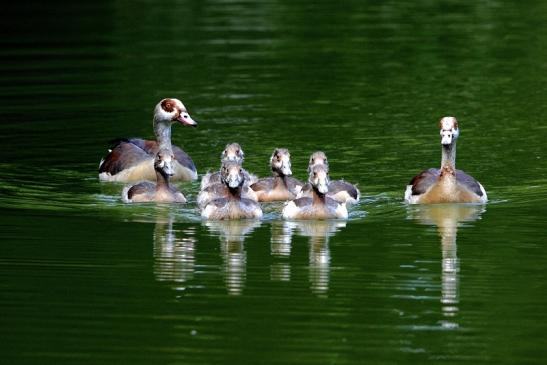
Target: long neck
x=449 y=155
x=279 y=179
x=162 y=130
x=162 y=181
x=235 y=192
x=317 y=196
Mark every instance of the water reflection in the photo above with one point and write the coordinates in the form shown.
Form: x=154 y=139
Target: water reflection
x=280 y=248
x=232 y=235
x=447 y=218
x=174 y=251
x=319 y=233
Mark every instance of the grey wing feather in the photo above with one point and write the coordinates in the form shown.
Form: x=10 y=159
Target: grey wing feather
x=141 y=188
x=340 y=185
x=122 y=156
x=263 y=184
x=183 y=158
x=421 y=182
x=469 y=182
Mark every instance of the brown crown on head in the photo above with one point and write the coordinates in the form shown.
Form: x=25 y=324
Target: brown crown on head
x=454 y=122
x=168 y=105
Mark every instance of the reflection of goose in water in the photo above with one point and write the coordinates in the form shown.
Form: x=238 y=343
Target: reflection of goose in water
x=232 y=235
x=447 y=218
x=280 y=248
x=174 y=251
x=319 y=232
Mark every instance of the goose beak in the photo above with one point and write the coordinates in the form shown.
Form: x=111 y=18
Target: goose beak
x=286 y=168
x=185 y=119
x=168 y=169
x=323 y=186
x=234 y=181
x=446 y=140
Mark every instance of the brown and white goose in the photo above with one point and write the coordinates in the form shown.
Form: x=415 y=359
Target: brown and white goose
x=232 y=204
x=133 y=159
x=161 y=191
x=232 y=152
x=445 y=185
x=339 y=190
x=319 y=205
x=281 y=186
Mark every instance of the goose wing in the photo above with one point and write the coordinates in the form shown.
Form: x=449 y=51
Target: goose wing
x=423 y=181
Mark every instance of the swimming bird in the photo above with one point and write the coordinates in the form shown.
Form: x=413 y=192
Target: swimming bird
x=161 y=191
x=133 y=159
x=319 y=205
x=339 y=190
x=232 y=205
x=281 y=186
x=445 y=185
x=221 y=190
x=232 y=152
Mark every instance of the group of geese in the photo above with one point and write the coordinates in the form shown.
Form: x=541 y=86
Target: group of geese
x=234 y=193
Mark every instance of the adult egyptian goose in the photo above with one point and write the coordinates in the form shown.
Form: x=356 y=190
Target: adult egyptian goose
x=445 y=185
x=319 y=205
x=281 y=186
x=133 y=159
x=161 y=191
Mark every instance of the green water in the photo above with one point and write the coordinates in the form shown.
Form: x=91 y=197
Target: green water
x=86 y=279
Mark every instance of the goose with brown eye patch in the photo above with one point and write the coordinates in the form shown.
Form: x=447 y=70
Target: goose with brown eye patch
x=447 y=184
x=162 y=191
x=339 y=190
x=132 y=159
x=280 y=186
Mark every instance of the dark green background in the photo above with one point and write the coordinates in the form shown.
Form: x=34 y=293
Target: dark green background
x=86 y=279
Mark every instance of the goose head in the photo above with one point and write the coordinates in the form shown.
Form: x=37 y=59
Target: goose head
x=449 y=130
x=232 y=152
x=164 y=162
x=318 y=158
x=280 y=162
x=319 y=178
x=231 y=174
x=171 y=110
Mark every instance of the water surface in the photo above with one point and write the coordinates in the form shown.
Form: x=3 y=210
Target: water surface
x=87 y=279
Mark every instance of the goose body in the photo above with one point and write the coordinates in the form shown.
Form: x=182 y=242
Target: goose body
x=133 y=159
x=447 y=184
x=231 y=203
x=161 y=191
x=220 y=190
x=339 y=190
x=232 y=152
x=319 y=205
x=281 y=186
